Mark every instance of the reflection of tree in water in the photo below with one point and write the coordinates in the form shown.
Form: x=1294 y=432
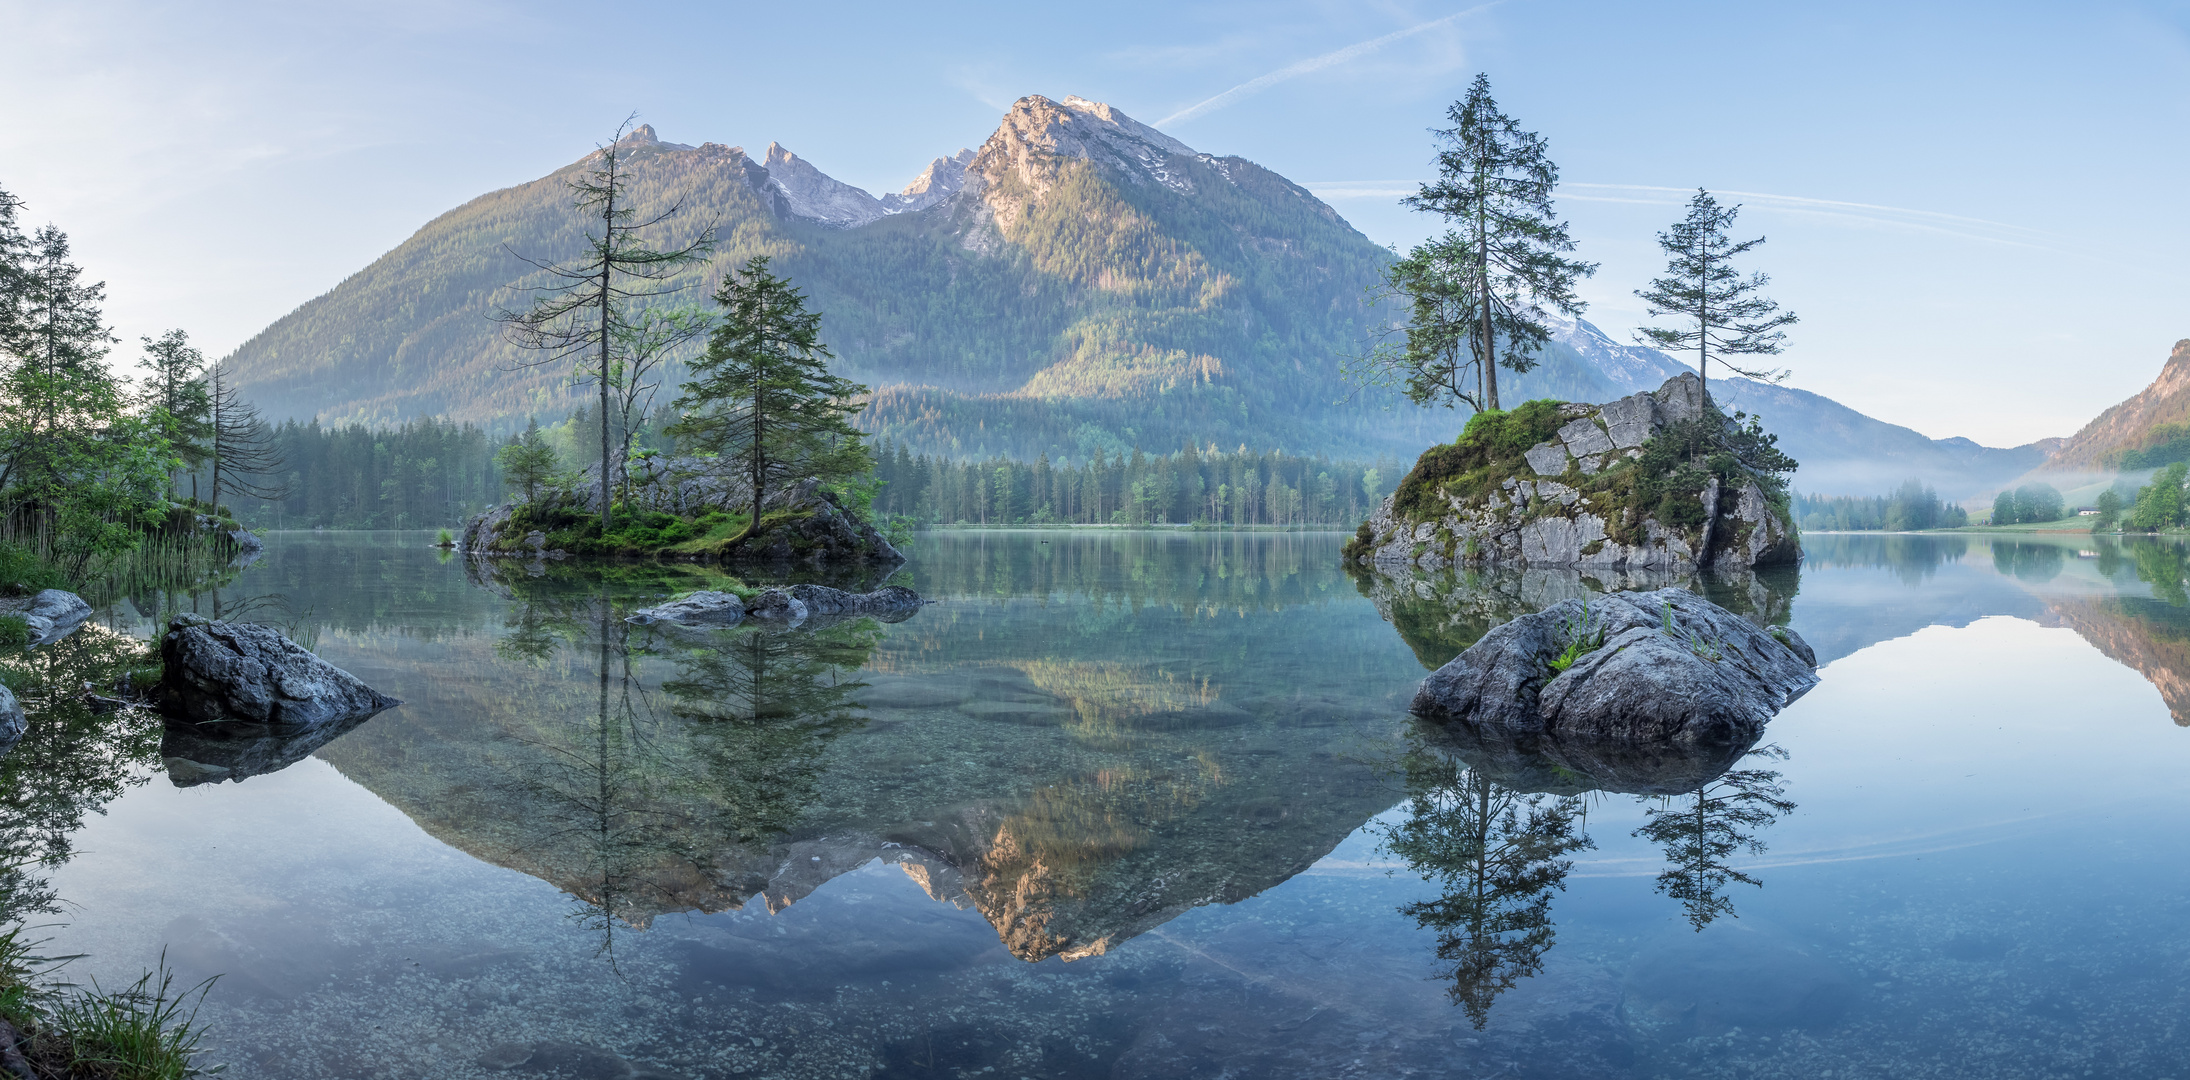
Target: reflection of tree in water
x=70 y=763
x=766 y=704
x=1913 y=559
x=1700 y=831
x=2030 y=561
x=1499 y=854
x=2161 y=564
x=649 y=788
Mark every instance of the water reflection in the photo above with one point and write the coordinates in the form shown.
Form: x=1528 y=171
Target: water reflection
x=1440 y=613
x=1499 y=855
x=1700 y=831
x=70 y=763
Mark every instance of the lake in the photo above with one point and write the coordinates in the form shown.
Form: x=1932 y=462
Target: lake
x=1145 y=804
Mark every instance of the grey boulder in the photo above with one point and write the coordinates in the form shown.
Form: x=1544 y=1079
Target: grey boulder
x=219 y=672
x=888 y=600
x=1672 y=666
x=52 y=614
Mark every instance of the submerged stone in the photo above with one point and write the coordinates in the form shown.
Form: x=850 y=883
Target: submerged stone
x=708 y=607
x=218 y=672
x=1662 y=665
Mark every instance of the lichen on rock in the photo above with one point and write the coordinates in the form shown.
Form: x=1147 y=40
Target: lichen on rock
x=1653 y=481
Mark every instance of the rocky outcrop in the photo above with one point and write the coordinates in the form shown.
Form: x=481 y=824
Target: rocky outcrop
x=806 y=524
x=239 y=673
x=1666 y=665
x=802 y=523
x=1553 y=514
x=795 y=604
x=52 y=614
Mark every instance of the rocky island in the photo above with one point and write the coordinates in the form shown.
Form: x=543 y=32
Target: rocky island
x=1653 y=481
x=678 y=508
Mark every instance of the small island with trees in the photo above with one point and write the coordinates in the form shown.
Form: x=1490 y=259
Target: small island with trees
x=772 y=467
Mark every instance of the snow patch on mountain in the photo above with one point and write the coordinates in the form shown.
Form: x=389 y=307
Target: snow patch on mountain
x=807 y=192
x=943 y=178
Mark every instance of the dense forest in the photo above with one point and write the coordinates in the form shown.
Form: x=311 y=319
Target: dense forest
x=1914 y=505
x=1191 y=486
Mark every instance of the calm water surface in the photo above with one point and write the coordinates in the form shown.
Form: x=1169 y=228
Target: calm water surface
x=1149 y=805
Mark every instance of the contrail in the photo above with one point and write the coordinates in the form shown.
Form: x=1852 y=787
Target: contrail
x=1313 y=63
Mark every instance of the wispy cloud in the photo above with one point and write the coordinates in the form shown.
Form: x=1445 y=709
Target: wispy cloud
x=1870 y=214
x=1313 y=64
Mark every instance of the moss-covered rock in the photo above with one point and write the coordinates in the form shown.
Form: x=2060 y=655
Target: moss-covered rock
x=1654 y=481
x=803 y=523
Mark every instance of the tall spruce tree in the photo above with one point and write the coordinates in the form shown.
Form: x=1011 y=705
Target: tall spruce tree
x=1499 y=270
x=590 y=311
x=1727 y=314
x=762 y=397
x=177 y=400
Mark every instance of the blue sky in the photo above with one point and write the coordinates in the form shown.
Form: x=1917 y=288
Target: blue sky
x=1977 y=209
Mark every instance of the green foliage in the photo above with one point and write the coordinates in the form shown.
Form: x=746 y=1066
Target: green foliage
x=2030 y=503
x=1914 y=505
x=2160 y=504
x=1582 y=638
x=1485 y=454
x=527 y=461
x=421 y=473
x=762 y=395
x=1489 y=279
x=14 y=632
x=2110 y=511
x=1724 y=313
x=2161 y=445
x=23 y=572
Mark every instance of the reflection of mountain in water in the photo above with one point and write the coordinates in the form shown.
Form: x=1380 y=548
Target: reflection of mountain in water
x=2148 y=636
x=1078 y=781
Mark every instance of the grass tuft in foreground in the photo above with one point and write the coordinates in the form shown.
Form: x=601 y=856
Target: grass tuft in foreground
x=147 y=1030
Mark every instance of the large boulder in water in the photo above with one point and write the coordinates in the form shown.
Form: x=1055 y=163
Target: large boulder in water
x=51 y=614
x=891 y=603
x=1671 y=666
x=219 y=672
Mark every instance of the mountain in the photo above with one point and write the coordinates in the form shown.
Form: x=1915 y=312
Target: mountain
x=2152 y=428
x=1079 y=282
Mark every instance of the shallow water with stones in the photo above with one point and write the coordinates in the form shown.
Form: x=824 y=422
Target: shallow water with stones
x=1148 y=804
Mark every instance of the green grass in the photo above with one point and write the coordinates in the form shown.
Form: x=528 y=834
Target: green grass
x=14 y=632
x=147 y=1030
x=2067 y=524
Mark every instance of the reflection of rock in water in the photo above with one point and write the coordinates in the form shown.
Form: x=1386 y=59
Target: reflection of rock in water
x=210 y=753
x=1440 y=613
x=1529 y=761
x=2149 y=637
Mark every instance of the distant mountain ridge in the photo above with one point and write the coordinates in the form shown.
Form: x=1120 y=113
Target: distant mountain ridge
x=1081 y=282
x=2134 y=424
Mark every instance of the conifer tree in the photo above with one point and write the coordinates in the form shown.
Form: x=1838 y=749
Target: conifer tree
x=246 y=459
x=527 y=461
x=1496 y=274
x=762 y=397
x=177 y=400
x=1726 y=314
x=591 y=311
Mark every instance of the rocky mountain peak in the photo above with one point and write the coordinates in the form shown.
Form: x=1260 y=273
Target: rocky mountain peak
x=804 y=191
x=642 y=135
x=943 y=178
x=1078 y=128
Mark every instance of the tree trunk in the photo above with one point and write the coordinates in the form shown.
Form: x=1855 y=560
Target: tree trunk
x=608 y=266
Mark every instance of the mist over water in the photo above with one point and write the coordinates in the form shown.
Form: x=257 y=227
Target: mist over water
x=1129 y=804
